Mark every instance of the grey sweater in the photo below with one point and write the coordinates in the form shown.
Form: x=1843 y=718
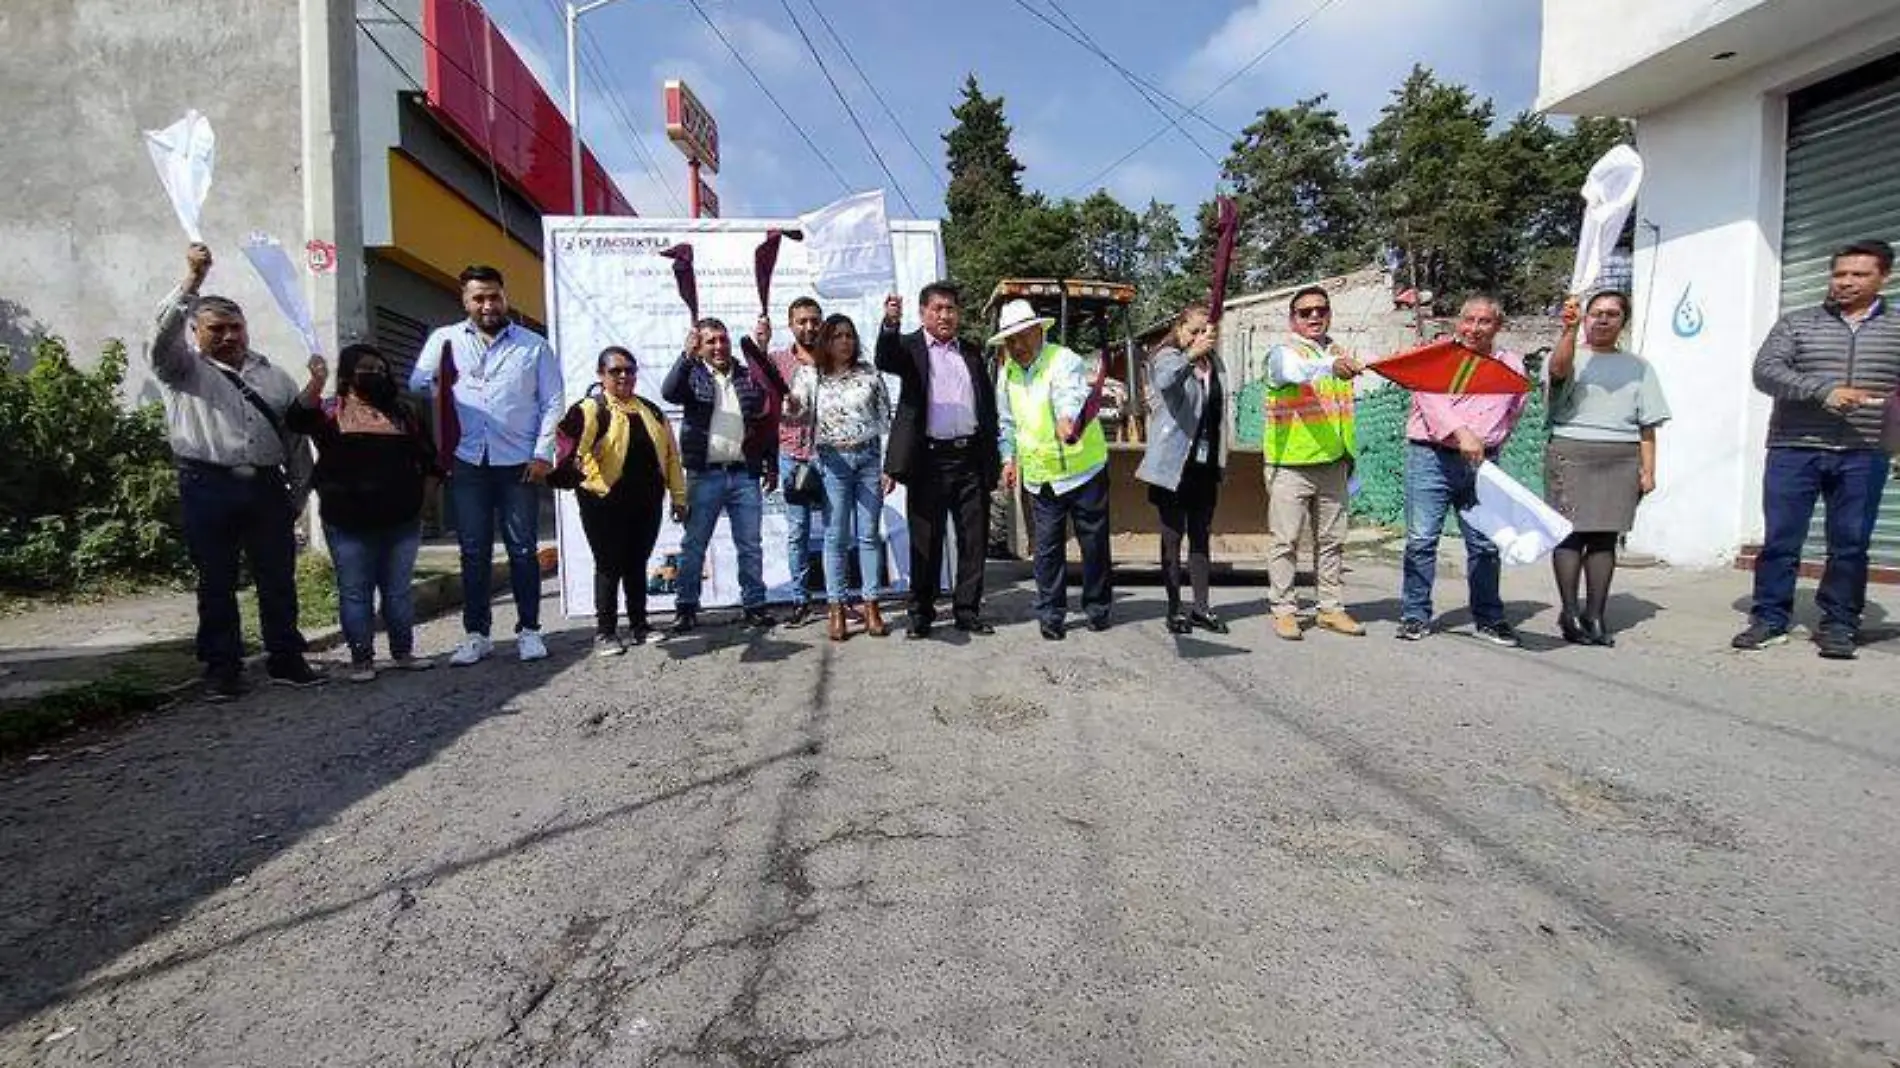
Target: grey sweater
x=1814 y=351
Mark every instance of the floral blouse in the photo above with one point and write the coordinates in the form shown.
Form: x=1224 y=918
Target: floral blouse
x=852 y=408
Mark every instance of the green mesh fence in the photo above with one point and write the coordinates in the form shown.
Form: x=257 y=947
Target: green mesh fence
x=1380 y=415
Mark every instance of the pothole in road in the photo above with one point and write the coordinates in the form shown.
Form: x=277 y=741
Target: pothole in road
x=1616 y=806
x=997 y=713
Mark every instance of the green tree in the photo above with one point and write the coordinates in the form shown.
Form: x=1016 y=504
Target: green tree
x=1423 y=173
x=1160 y=249
x=1108 y=238
x=1300 y=213
x=985 y=196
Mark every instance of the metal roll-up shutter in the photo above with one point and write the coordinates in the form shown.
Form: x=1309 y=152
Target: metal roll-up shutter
x=1843 y=184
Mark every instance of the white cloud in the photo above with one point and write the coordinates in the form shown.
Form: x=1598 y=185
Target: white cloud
x=1358 y=51
x=766 y=47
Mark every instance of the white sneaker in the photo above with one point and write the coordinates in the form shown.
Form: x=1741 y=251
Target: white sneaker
x=529 y=644
x=474 y=649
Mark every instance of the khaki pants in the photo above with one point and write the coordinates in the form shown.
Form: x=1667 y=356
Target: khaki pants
x=1295 y=496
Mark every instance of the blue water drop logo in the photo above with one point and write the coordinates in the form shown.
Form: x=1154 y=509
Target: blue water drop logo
x=1687 y=320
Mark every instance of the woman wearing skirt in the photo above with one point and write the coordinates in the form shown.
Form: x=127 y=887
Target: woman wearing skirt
x=1605 y=406
x=1187 y=446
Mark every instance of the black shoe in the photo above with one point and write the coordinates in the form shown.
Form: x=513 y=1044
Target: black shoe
x=224 y=684
x=1053 y=632
x=294 y=672
x=1178 y=624
x=974 y=625
x=685 y=621
x=1499 y=633
x=759 y=618
x=918 y=630
x=1836 y=644
x=1414 y=630
x=1098 y=624
x=1759 y=636
x=1572 y=630
x=1207 y=621
x=1595 y=633
x=801 y=615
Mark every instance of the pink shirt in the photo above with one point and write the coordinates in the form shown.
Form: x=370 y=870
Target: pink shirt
x=1437 y=416
x=952 y=412
x=791 y=433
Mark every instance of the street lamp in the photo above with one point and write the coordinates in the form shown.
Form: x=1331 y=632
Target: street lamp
x=574 y=13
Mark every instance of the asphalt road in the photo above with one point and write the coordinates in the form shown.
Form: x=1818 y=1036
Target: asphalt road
x=1124 y=850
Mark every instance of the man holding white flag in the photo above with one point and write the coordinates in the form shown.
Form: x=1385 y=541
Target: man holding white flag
x=224 y=409
x=1448 y=438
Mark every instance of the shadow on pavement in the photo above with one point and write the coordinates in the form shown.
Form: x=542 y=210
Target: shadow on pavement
x=209 y=793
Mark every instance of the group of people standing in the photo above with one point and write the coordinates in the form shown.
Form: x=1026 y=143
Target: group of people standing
x=816 y=420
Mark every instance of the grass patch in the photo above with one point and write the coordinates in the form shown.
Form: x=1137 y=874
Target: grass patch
x=119 y=696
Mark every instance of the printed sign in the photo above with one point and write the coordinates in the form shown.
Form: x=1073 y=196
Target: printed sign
x=691 y=126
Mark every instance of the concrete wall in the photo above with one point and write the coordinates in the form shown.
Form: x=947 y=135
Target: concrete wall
x=1710 y=237
x=91 y=241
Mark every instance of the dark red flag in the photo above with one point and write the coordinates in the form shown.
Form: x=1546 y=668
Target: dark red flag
x=448 y=425
x=1227 y=225
x=765 y=261
x=682 y=257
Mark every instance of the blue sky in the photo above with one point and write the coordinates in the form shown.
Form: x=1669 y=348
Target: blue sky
x=1073 y=114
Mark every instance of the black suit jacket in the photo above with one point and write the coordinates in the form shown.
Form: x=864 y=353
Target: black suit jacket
x=907 y=357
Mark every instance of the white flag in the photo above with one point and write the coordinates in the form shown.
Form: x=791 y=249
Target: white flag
x=184 y=153
x=1608 y=195
x=849 y=243
x=1521 y=525
x=273 y=265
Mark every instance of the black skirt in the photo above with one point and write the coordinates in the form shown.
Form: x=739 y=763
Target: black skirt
x=1199 y=489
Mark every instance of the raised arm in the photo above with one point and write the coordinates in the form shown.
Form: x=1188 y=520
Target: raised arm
x=172 y=358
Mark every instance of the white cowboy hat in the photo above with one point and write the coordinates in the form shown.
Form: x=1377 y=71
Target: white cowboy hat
x=1017 y=317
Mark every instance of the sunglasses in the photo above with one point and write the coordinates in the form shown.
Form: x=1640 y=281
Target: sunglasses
x=1319 y=312
x=618 y=371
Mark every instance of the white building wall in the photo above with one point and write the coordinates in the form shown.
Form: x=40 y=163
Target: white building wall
x=1589 y=41
x=1710 y=226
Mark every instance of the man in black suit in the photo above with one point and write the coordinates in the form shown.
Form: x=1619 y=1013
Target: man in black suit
x=943 y=448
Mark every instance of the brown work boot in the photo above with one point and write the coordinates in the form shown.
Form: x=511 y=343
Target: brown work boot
x=874 y=624
x=839 y=628
x=1339 y=622
x=1287 y=626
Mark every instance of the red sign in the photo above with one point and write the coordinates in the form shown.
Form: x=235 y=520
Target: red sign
x=691 y=126
x=320 y=256
x=707 y=200
x=482 y=91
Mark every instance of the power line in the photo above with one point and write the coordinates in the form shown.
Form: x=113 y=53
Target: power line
x=1212 y=93
x=929 y=167
x=849 y=111
x=747 y=67
x=651 y=165
x=1148 y=90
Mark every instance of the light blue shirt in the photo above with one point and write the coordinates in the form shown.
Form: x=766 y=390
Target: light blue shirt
x=1068 y=392
x=507 y=392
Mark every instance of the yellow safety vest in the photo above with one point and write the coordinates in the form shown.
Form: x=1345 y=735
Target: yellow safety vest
x=1042 y=457
x=1309 y=424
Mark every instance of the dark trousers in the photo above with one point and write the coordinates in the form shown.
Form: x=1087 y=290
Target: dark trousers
x=1187 y=514
x=1086 y=506
x=947 y=488
x=1850 y=484
x=480 y=494
x=621 y=529
x=225 y=515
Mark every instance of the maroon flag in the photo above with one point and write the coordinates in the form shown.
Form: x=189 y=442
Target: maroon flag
x=1227 y=225
x=448 y=425
x=682 y=257
x=1091 y=407
x=765 y=261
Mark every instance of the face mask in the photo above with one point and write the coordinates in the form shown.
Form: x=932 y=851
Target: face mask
x=376 y=388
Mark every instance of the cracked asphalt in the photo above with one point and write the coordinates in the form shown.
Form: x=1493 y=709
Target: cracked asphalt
x=1128 y=849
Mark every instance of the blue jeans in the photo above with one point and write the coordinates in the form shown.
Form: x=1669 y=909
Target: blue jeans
x=797 y=534
x=223 y=516
x=369 y=562
x=1851 y=484
x=481 y=494
x=708 y=493
x=1433 y=479
x=854 y=504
